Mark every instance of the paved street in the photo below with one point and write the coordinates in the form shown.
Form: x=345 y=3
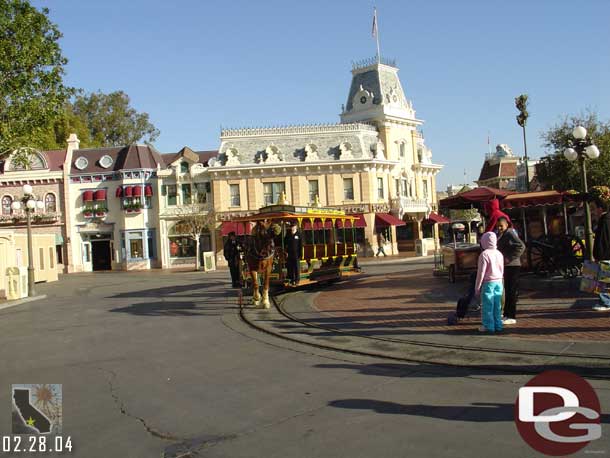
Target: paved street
x=159 y=364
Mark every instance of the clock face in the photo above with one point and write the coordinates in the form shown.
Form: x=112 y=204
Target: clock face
x=363 y=99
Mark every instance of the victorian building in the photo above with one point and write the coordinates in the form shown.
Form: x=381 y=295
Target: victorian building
x=499 y=169
x=45 y=174
x=184 y=193
x=373 y=164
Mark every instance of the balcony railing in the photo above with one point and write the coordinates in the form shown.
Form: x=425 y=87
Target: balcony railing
x=402 y=205
x=20 y=219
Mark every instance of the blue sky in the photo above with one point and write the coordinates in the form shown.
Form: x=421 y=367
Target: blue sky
x=197 y=65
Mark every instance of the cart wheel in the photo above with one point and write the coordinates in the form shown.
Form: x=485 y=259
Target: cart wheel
x=452 y=273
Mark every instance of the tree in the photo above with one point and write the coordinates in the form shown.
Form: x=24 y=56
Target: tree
x=32 y=92
x=555 y=172
x=62 y=126
x=112 y=121
x=196 y=219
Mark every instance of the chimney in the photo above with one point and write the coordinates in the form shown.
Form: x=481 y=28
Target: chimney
x=73 y=144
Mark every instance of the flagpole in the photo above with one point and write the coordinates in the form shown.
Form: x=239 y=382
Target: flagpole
x=376 y=33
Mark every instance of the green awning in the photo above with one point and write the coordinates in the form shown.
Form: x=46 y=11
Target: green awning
x=59 y=239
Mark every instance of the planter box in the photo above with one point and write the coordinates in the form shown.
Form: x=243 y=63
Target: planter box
x=134 y=210
x=88 y=214
x=101 y=214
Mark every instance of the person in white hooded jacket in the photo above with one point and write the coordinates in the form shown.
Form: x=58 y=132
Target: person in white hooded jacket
x=488 y=284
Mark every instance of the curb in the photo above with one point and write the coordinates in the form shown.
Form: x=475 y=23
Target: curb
x=524 y=363
x=25 y=300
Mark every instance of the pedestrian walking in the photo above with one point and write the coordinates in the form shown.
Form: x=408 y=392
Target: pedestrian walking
x=489 y=283
x=601 y=246
x=231 y=252
x=293 y=244
x=381 y=241
x=511 y=247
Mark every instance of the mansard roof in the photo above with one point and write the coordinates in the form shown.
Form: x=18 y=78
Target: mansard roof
x=201 y=156
x=131 y=157
x=293 y=144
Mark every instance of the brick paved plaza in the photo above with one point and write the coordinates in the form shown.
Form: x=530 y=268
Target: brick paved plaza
x=418 y=303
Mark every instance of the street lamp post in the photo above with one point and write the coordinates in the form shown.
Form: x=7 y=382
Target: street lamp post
x=29 y=203
x=582 y=148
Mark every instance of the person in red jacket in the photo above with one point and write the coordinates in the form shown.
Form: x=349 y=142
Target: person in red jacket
x=493 y=213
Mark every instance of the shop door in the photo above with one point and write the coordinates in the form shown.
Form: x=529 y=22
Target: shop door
x=101 y=254
x=86 y=250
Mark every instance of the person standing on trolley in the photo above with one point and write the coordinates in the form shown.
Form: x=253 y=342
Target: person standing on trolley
x=293 y=244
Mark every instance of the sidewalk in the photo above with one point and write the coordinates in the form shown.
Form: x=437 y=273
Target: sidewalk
x=395 y=259
x=403 y=316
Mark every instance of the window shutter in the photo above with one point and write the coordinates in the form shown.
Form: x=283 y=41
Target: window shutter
x=164 y=190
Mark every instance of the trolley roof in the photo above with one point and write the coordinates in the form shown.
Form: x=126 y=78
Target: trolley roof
x=289 y=212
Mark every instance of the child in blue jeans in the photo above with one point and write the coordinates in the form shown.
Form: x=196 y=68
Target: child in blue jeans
x=489 y=283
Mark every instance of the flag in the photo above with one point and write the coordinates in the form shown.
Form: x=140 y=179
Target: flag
x=374 y=32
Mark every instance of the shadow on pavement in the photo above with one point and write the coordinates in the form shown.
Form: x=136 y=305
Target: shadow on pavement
x=173 y=290
x=431 y=370
x=475 y=412
x=173 y=309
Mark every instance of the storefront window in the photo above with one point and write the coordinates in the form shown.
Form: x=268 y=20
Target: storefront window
x=182 y=244
x=139 y=245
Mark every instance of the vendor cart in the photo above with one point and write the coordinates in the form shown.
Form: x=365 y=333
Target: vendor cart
x=460 y=259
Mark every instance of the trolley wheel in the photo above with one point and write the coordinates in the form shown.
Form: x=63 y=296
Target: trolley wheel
x=452 y=273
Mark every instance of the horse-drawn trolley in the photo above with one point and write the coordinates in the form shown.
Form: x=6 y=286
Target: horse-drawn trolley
x=328 y=253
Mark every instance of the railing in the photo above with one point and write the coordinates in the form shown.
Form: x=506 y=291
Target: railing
x=409 y=205
x=37 y=218
x=372 y=61
x=298 y=129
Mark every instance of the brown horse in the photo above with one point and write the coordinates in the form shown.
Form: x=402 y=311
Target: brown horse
x=259 y=258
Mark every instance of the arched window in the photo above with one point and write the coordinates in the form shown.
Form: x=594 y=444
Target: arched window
x=50 y=203
x=7 y=201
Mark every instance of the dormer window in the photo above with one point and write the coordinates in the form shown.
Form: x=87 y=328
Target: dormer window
x=184 y=167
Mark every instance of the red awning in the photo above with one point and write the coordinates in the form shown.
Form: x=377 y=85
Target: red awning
x=137 y=191
x=148 y=192
x=100 y=194
x=529 y=199
x=434 y=218
x=119 y=191
x=385 y=219
x=473 y=197
x=128 y=191
x=88 y=196
x=238 y=228
x=317 y=225
x=360 y=222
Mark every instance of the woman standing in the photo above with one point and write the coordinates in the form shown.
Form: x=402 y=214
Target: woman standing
x=511 y=247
